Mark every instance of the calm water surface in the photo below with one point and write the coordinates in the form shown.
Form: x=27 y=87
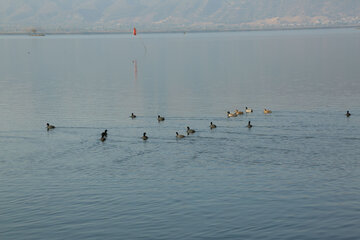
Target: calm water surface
x=294 y=175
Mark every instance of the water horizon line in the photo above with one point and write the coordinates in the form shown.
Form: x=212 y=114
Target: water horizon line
x=44 y=33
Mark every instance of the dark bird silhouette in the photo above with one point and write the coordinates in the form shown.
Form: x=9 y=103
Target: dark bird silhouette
x=104 y=134
x=160 y=118
x=144 y=137
x=190 y=130
x=179 y=135
x=48 y=126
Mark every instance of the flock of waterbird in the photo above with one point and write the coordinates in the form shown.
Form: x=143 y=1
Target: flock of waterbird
x=189 y=130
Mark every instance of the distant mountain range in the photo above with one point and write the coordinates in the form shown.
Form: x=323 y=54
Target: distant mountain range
x=173 y=15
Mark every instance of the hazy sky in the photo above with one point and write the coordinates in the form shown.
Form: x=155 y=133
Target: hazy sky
x=154 y=14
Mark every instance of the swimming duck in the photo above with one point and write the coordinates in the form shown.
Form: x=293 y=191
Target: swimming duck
x=348 y=114
x=212 y=126
x=248 y=110
x=179 y=135
x=144 y=137
x=231 y=114
x=48 y=126
x=267 y=111
x=104 y=134
x=249 y=125
x=160 y=118
x=237 y=112
x=190 y=130
x=133 y=116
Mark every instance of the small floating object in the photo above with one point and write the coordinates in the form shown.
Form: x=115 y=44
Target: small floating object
x=267 y=111
x=179 y=135
x=348 y=114
x=48 y=126
x=134 y=31
x=189 y=130
x=133 y=115
x=248 y=110
x=104 y=134
x=237 y=112
x=144 y=137
x=231 y=114
x=249 y=125
x=212 y=126
x=160 y=118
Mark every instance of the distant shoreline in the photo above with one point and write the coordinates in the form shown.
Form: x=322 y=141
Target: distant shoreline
x=176 y=31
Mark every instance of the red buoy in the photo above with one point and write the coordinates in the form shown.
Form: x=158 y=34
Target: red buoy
x=134 y=32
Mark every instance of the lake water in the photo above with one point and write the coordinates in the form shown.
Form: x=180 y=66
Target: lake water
x=294 y=175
